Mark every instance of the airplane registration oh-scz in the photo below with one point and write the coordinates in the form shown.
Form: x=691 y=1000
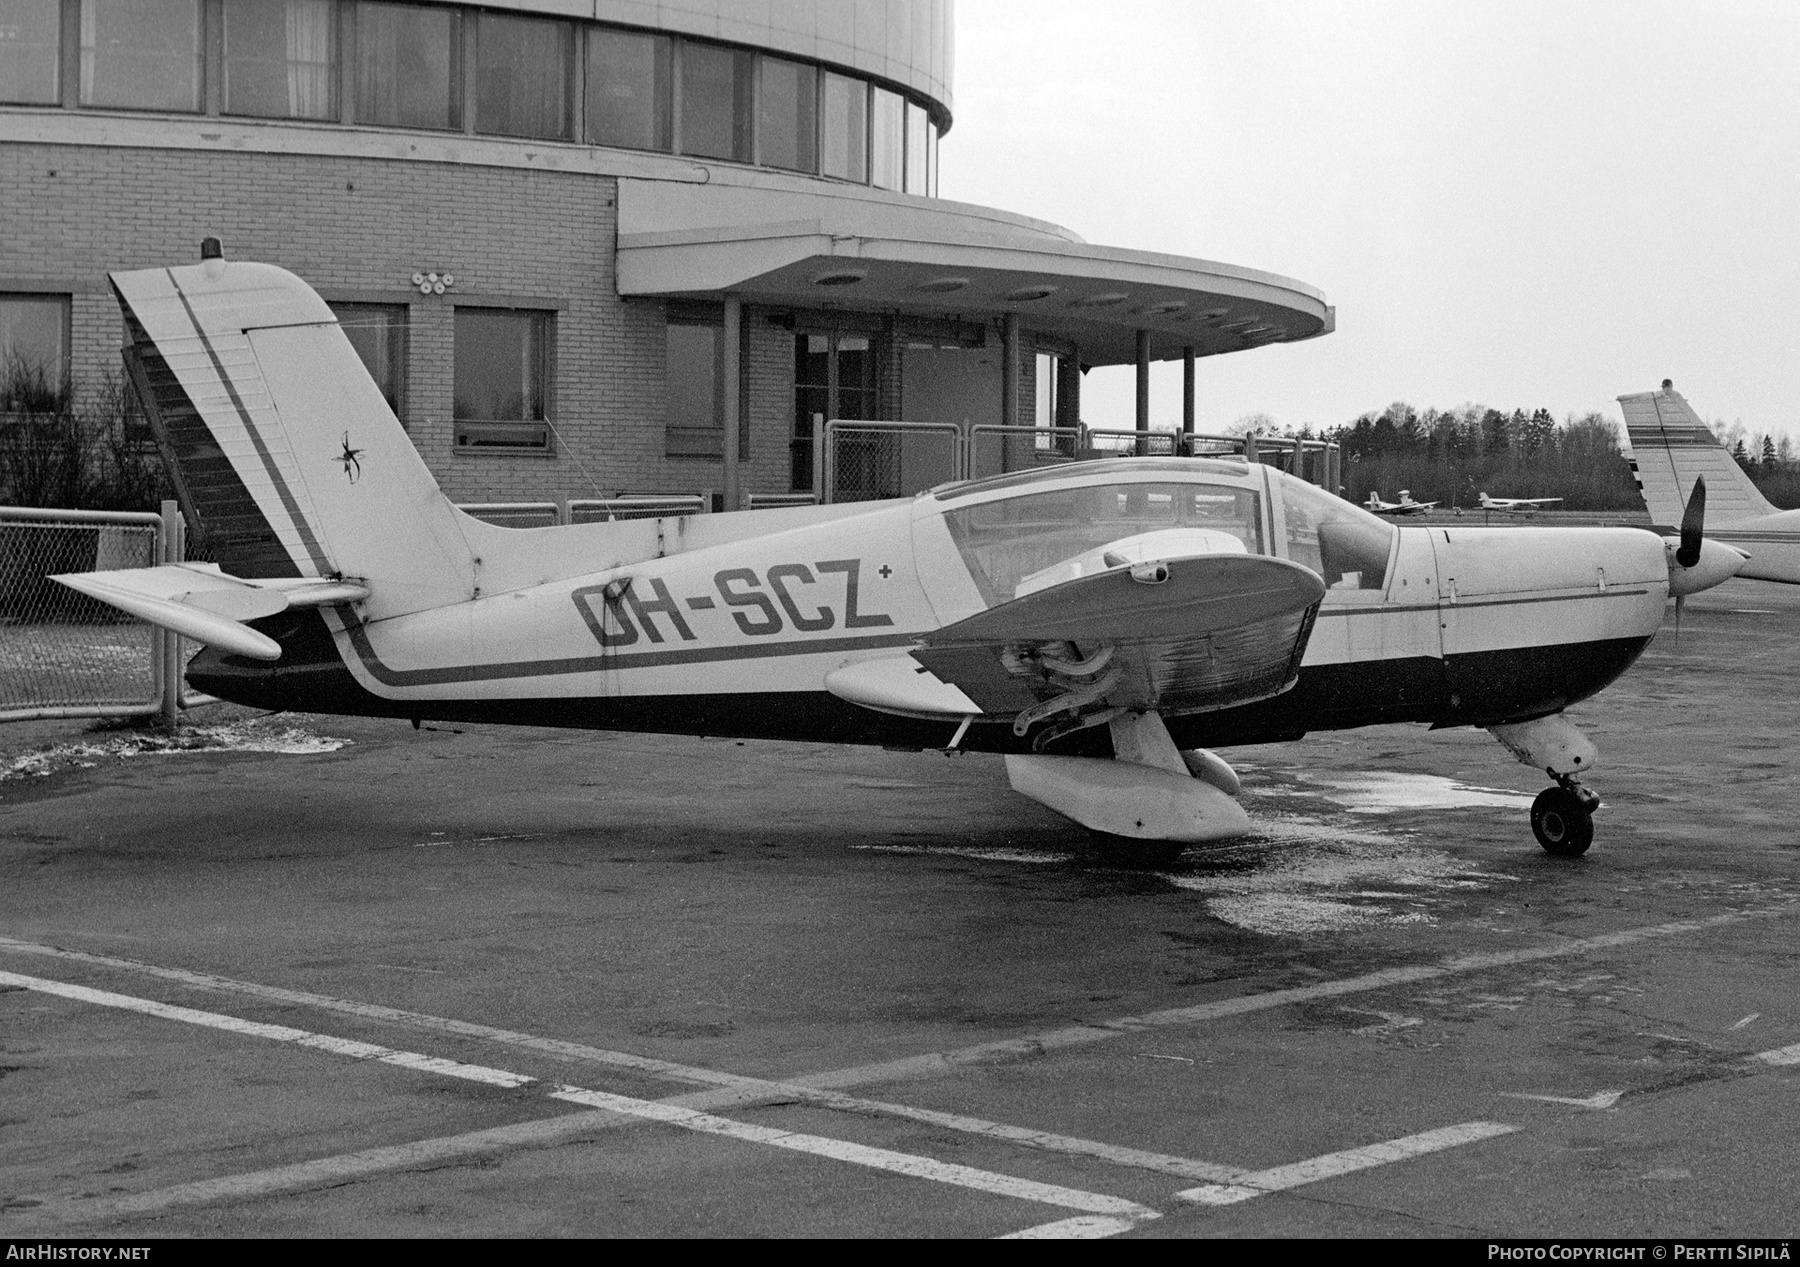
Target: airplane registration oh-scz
x=1103 y=625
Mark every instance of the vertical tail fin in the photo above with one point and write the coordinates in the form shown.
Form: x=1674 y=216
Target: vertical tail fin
x=285 y=455
x=1671 y=448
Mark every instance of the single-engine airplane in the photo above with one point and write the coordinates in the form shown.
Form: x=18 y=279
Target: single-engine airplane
x=1103 y=625
x=1671 y=449
x=1527 y=506
x=1405 y=506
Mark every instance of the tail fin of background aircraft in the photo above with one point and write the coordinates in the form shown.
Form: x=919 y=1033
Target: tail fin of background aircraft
x=286 y=458
x=1671 y=448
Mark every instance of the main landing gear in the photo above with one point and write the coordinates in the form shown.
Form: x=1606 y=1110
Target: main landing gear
x=1562 y=817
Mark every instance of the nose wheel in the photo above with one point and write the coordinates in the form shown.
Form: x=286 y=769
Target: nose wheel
x=1562 y=818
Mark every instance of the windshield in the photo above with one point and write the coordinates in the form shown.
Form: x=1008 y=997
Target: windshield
x=1007 y=540
x=1342 y=542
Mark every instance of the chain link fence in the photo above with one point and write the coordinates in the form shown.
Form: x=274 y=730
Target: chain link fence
x=867 y=461
x=63 y=654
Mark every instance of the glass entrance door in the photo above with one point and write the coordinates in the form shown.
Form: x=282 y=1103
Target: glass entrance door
x=834 y=377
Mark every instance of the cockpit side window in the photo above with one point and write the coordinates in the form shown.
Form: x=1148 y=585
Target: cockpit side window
x=1342 y=542
x=1006 y=540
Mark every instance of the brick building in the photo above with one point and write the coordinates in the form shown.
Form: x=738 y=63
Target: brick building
x=578 y=242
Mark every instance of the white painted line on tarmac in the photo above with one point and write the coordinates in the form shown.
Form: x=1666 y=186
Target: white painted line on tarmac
x=391 y=1015
x=1780 y=1056
x=626 y=1106
x=931 y=1064
x=278 y=1033
x=1083 y=1227
x=1047 y=1141
x=1331 y=1165
x=861 y=1154
x=1599 y=1100
x=323 y=1172
x=729 y=1090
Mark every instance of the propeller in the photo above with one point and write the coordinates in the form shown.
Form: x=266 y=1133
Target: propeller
x=1693 y=521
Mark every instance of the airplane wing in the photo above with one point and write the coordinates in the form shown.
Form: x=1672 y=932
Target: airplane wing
x=198 y=601
x=1180 y=636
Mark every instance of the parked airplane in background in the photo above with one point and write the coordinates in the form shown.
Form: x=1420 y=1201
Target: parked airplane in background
x=1526 y=506
x=1405 y=506
x=1670 y=448
x=1101 y=624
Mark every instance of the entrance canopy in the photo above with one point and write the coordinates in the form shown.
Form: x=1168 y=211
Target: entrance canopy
x=889 y=253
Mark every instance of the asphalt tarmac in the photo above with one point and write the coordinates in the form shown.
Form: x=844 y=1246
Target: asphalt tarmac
x=319 y=976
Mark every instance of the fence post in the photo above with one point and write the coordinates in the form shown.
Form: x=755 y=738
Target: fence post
x=167 y=644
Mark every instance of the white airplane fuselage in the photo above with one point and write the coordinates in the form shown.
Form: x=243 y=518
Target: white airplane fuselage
x=733 y=627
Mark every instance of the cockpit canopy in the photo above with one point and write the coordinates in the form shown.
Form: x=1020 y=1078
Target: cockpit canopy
x=1017 y=533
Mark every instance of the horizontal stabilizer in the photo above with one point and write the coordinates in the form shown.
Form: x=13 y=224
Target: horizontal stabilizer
x=198 y=601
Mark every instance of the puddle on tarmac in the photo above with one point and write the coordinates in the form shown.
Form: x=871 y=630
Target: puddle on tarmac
x=1388 y=791
x=1305 y=875
x=1037 y=856
x=245 y=736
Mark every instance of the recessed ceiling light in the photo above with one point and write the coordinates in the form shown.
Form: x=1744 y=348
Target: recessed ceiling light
x=1240 y=324
x=845 y=277
x=942 y=285
x=1214 y=314
x=1106 y=300
x=1025 y=294
x=1165 y=307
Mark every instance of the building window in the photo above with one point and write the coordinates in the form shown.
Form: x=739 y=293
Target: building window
x=141 y=54
x=378 y=333
x=30 y=52
x=34 y=350
x=628 y=98
x=844 y=128
x=522 y=76
x=281 y=59
x=716 y=88
x=787 y=119
x=695 y=418
x=408 y=66
x=887 y=139
x=918 y=123
x=502 y=379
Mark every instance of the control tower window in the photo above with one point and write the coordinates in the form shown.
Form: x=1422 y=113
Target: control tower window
x=716 y=86
x=522 y=70
x=141 y=54
x=787 y=121
x=628 y=97
x=845 y=128
x=887 y=139
x=408 y=66
x=918 y=126
x=281 y=59
x=30 y=52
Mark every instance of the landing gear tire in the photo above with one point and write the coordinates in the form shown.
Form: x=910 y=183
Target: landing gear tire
x=1132 y=854
x=1562 y=822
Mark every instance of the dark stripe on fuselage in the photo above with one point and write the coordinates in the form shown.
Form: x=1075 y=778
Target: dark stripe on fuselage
x=1478 y=689
x=389 y=676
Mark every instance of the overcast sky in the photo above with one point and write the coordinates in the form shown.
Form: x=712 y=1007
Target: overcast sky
x=1514 y=203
